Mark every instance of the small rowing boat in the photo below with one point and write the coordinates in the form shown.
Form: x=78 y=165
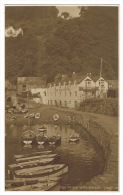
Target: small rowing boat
x=29 y=181
x=75 y=137
x=41 y=139
x=52 y=186
x=26 y=115
x=56 y=139
x=28 y=137
x=32 y=115
x=36 y=157
x=37 y=115
x=41 y=171
x=31 y=163
x=42 y=128
x=55 y=117
x=32 y=154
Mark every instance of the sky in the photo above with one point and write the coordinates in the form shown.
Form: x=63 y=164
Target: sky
x=72 y=10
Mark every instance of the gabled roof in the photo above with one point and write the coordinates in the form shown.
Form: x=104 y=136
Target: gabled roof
x=96 y=78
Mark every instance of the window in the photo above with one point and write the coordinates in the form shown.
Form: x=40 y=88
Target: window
x=65 y=93
x=75 y=93
x=89 y=84
x=24 y=88
x=48 y=102
x=75 y=103
x=60 y=103
x=70 y=93
x=65 y=103
x=51 y=102
x=55 y=102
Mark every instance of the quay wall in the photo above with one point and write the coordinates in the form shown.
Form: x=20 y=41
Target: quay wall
x=105 y=131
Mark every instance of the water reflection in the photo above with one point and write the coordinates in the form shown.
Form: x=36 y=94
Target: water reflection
x=84 y=158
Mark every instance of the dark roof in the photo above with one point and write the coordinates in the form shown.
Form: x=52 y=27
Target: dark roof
x=77 y=78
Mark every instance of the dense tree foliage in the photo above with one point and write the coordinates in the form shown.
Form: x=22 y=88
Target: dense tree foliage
x=51 y=45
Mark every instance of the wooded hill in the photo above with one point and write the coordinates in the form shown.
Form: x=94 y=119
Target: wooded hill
x=52 y=45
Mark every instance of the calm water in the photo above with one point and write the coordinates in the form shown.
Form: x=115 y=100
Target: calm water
x=84 y=159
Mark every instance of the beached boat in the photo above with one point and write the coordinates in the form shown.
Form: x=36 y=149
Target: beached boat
x=31 y=163
x=75 y=137
x=32 y=115
x=36 y=157
x=37 y=115
x=28 y=181
x=28 y=137
x=32 y=154
x=56 y=139
x=13 y=118
x=26 y=115
x=41 y=171
x=55 y=117
x=42 y=128
x=24 y=111
x=47 y=186
x=41 y=138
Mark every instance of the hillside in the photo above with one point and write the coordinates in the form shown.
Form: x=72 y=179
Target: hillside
x=52 y=45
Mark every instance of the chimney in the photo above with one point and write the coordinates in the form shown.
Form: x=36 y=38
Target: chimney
x=90 y=74
x=74 y=76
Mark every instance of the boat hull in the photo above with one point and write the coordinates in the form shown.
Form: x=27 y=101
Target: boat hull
x=74 y=139
x=32 y=154
x=47 y=186
x=47 y=175
x=28 y=137
x=36 y=157
x=32 y=163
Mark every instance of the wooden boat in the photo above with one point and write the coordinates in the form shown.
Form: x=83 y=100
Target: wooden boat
x=28 y=181
x=28 y=137
x=56 y=139
x=32 y=163
x=42 y=128
x=26 y=115
x=41 y=138
x=47 y=186
x=75 y=137
x=36 y=157
x=41 y=171
x=13 y=118
x=55 y=117
x=32 y=115
x=32 y=154
x=24 y=111
x=37 y=115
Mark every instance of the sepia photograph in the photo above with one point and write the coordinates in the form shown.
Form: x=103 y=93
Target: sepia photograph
x=61 y=98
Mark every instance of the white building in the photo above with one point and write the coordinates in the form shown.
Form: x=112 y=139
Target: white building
x=70 y=92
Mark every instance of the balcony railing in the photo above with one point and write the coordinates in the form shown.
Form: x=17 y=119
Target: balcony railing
x=88 y=88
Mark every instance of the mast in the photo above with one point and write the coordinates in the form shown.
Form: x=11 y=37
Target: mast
x=100 y=74
x=101 y=68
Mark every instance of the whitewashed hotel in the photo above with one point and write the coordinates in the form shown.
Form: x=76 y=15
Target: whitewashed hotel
x=70 y=92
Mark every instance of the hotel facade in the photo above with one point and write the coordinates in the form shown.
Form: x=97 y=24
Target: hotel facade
x=71 y=92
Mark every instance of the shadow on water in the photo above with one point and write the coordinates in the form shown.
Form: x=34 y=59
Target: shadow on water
x=84 y=158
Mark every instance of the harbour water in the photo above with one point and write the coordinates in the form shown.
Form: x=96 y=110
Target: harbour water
x=84 y=159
